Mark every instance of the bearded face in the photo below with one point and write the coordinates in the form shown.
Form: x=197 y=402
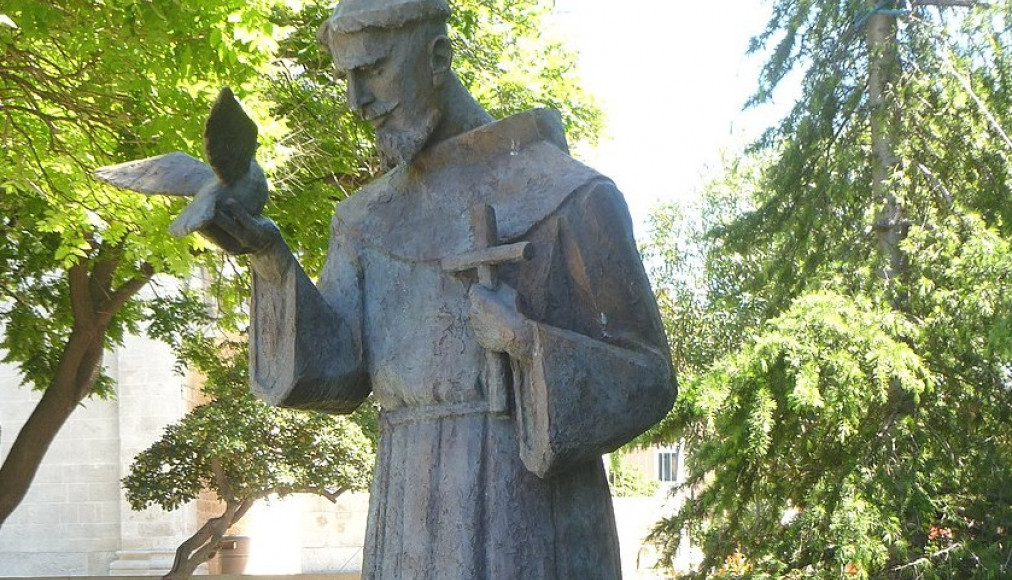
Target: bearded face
x=400 y=146
x=391 y=83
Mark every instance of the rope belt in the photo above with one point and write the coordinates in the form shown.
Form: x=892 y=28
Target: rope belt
x=434 y=412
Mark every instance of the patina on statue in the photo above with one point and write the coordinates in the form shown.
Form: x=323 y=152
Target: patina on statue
x=465 y=487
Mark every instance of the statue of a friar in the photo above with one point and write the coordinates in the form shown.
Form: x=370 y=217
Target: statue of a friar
x=488 y=291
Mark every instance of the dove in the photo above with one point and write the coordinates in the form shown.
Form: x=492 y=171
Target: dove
x=231 y=172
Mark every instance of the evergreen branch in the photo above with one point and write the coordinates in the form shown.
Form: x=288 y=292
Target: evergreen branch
x=927 y=559
x=937 y=185
x=965 y=83
x=950 y=3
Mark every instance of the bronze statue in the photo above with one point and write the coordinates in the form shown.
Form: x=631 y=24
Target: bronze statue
x=488 y=292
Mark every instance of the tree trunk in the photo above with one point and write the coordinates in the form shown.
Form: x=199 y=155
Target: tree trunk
x=94 y=303
x=201 y=546
x=883 y=71
x=76 y=376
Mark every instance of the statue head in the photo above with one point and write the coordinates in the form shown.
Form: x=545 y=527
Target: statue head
x=395 y=58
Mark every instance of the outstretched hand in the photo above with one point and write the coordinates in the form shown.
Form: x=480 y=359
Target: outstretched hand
x=497 y=322
x=238 y=232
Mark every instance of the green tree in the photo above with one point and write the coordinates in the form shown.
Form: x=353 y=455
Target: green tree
x=87 y=83
x=243 y=450
x=851 y=418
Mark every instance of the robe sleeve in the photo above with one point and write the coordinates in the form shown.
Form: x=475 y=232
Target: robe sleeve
x=305 y=350
x=600 y=373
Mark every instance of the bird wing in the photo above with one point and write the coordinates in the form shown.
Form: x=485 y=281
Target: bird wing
x=230 y=138
x=170 y=174
x=197 y=215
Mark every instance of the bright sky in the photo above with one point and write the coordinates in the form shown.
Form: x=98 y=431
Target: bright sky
x=672 y=77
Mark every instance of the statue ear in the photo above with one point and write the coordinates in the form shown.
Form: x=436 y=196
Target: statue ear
x=440 y=57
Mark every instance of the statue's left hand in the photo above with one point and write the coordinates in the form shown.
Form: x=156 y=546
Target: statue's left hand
x=497 y=322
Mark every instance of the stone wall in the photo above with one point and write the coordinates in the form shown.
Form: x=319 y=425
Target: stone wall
x=69 y=521
x=151 y=396
x=74 y=519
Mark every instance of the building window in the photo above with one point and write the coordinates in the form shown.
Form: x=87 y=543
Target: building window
x=667 y=466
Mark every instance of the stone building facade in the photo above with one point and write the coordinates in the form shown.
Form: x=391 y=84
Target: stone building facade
x=74 y=519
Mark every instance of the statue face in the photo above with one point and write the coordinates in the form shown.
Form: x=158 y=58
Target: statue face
x=391 y=84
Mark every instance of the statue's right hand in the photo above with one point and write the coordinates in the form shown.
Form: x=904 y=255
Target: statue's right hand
x=237 y=231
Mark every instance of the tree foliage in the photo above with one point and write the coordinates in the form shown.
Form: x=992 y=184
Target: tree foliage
x=847 y=394
x=87 y=83
x=243 y=450
x=74 y=255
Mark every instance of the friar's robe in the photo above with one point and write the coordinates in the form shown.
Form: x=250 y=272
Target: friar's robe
x=459 y=492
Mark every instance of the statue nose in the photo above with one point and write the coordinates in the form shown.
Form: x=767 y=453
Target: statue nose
x=359 y=96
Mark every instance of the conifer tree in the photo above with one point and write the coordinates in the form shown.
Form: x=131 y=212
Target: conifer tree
x=848 y=407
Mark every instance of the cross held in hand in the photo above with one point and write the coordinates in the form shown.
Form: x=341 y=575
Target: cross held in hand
x=487 y=253
x=484 y=258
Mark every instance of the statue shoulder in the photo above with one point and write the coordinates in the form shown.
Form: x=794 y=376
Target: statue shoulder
x=352 y=211
x=549 y=178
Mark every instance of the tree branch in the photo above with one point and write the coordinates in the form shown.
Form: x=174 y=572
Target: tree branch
x=110 y=307
x=199 y=547
x=106 y=262
x=938 y=186
x=965 y=83
x=89 y=369
x=224 y=485
x=202 y=545
x=245 y=507
x=948 y=3
x=927 y=559
x=80 y=297
x=330 y=495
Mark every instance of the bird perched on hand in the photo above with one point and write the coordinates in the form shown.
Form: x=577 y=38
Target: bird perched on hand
x=230 y=142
